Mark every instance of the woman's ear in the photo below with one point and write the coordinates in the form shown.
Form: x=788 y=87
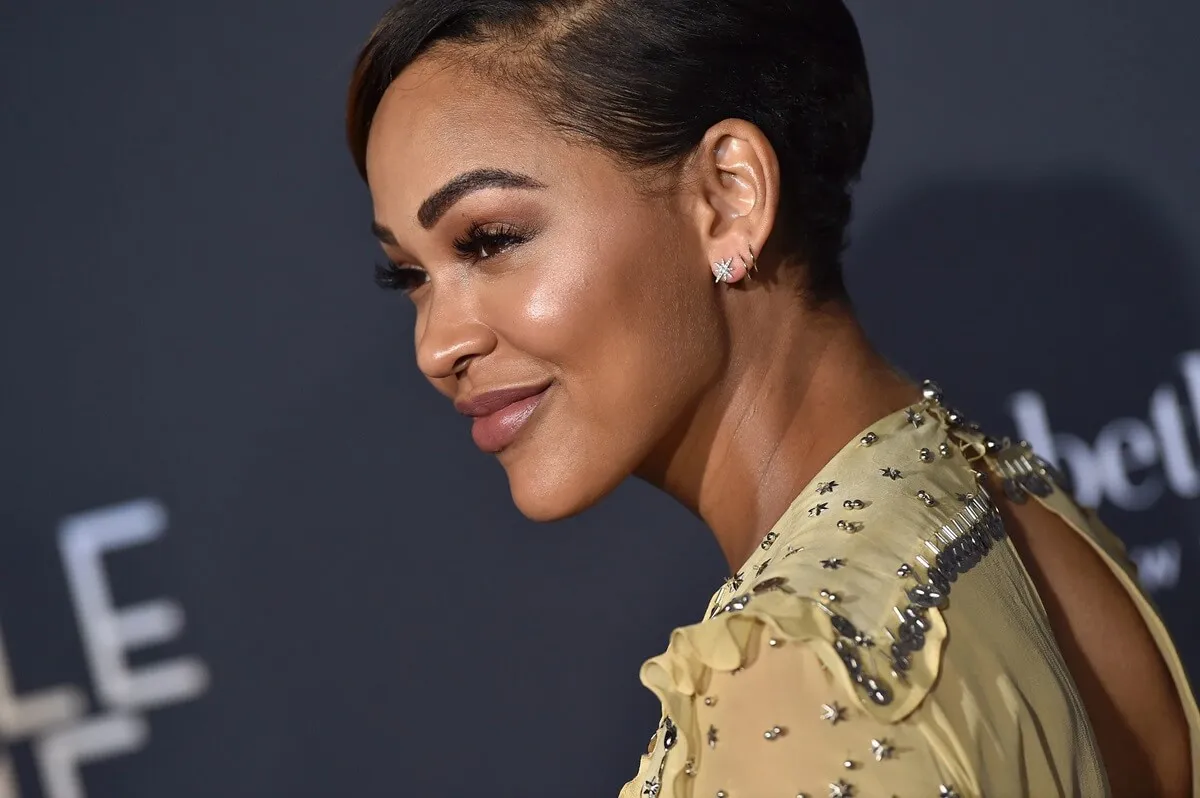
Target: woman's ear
x=736 y=175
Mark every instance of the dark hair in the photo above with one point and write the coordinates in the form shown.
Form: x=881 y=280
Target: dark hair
x=645 y=79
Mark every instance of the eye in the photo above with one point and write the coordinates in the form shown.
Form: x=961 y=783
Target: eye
x=481 y=242
x=392 y=277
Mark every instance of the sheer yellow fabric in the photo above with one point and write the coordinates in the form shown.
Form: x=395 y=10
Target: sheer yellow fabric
x=885 y=639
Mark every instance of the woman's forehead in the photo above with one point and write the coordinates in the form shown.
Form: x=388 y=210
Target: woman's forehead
x=437 y=120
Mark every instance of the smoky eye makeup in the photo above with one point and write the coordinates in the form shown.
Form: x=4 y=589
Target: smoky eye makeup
x=481 y=241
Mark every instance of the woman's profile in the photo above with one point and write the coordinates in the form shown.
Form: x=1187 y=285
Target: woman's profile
x=620 y=223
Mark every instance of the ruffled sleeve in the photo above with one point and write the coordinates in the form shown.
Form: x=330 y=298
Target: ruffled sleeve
x=782 y=725
x=778 y=691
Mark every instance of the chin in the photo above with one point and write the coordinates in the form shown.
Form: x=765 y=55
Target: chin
x=551 y=491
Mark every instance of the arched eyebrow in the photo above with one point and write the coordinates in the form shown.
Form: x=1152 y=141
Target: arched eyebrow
x=440 y=201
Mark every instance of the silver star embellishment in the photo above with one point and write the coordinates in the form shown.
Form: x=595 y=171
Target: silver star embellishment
x=881 y=750
x=840 y=789
x=758 y=569
x=833 y=563
x=891 y=474
x=826 y=487
x=723 y=270
x=913 y=417
x=712 y=736
x=792 y=550
x=817 y=509
x=833 y=713
x=736 y=580
x=651 y=789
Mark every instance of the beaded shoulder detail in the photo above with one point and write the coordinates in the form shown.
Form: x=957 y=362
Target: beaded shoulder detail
x=859 y=568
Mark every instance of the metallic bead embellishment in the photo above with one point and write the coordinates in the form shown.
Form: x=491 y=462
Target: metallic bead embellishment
x=689 y=767
x=829 y=595
x=769 y=540
x=840 y=789
x=944 y=449
x=849 y=526
x=891 y=474
x=826 y=487
x=723 y=270
x=876 y=691
x=817 y=509
x=961 y=543
x=774 y=583
x=946 y=791
x=924 y=496
x=773 y=643
x=926 y=455
x=712 y=736
x=722 y=794
x=774 y=733
x=801 y=795
x=881 y=749
x=854 y=504
x=849 y=764
x=914 y=417
x=843 y=626
x=868 y=439
x=736 y=604
x=932 y=392
x=762 y=566
x=709 y=701
x=1023 y=472
x=864 y=640
x=833 y=713
x=833 y=563
x=671 y=735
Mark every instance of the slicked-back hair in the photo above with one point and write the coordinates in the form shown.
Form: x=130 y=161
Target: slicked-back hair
x=645 y=79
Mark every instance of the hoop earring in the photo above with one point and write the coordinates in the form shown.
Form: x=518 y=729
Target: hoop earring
x=752 y=266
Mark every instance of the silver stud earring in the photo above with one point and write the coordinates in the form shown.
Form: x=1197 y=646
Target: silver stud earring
x=723 y=270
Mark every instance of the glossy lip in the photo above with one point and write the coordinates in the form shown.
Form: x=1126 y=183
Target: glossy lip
x=495 y=431
x=485 y=404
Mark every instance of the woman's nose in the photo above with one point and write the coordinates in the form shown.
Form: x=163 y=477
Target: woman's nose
x=450 y=337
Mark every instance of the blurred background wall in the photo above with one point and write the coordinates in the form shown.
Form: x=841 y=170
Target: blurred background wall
x=247 y=551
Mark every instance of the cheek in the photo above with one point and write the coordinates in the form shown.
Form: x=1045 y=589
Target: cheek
x=620 y=317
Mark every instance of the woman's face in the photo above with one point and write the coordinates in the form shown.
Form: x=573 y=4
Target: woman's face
x=574 y=318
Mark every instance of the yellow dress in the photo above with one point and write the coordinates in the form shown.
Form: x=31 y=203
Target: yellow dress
x=886 y=640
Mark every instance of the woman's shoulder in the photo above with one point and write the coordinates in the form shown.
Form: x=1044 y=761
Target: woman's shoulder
x=842 y=615
x=862 y=564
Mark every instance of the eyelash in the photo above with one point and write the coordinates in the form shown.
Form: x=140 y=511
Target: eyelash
x=476 y=240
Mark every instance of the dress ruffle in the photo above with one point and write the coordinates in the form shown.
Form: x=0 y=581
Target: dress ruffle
x=725 y=643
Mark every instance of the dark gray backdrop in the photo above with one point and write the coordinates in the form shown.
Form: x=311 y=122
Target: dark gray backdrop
x=191 y=338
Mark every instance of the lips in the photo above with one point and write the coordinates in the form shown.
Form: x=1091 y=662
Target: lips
x=500 y=415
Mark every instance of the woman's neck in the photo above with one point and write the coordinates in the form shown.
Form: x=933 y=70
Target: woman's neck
x=791 y=403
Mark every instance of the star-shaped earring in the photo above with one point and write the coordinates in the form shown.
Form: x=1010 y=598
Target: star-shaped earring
x=723 y=270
